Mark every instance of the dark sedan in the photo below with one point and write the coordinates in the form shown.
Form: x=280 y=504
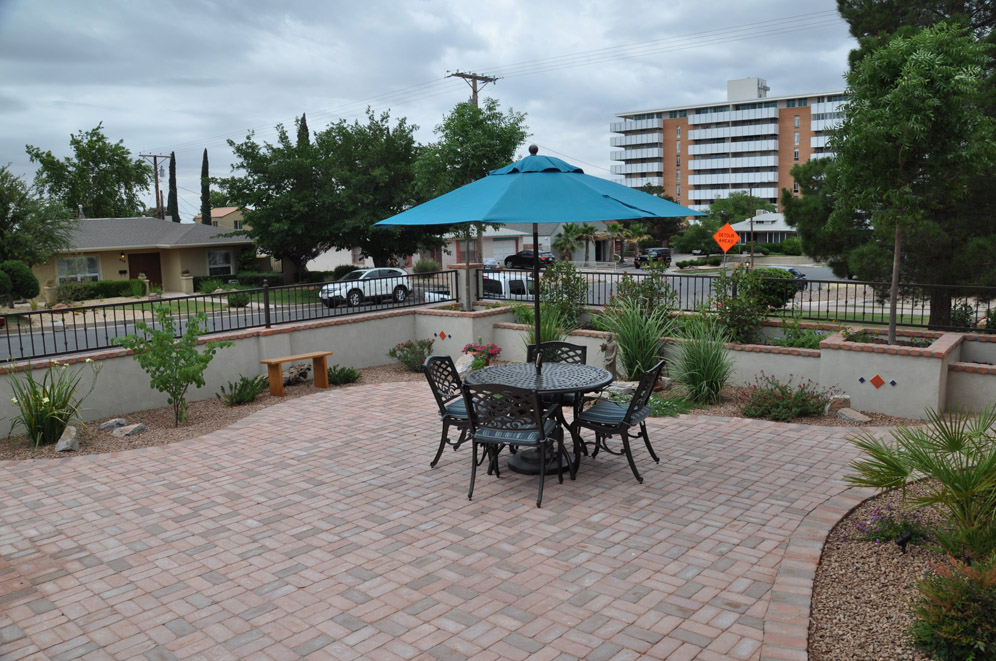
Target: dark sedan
x=524 y=259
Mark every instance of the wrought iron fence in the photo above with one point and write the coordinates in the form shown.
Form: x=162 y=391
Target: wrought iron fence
x=45 y=333
x=832 y=301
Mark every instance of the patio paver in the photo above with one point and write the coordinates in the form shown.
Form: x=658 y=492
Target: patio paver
x=316 y=528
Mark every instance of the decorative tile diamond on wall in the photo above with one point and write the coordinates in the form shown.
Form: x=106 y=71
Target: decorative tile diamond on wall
x=441 y=335
x=861 y=379
x=877 y=381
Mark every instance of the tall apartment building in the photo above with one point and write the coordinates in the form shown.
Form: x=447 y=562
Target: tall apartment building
x=703 y=153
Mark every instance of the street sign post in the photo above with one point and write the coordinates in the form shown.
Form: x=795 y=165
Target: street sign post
x=726 y=237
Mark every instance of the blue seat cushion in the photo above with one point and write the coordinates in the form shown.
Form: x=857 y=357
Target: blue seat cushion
x=457 y=408
x=513 y=436
x=611 y=414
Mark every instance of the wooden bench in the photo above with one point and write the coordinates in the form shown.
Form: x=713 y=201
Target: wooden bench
x=276 y=375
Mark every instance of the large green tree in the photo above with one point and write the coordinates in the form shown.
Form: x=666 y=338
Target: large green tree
x=172 y=199
x=101 y=178
x=205 y=190
x=661 y=229
x=306 y=196
x=32 y=229
x=913 y=143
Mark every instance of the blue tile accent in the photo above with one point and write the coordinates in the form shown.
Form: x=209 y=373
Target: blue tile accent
x=861 y=379
x=892 y=383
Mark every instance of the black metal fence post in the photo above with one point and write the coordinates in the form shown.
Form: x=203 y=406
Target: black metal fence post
x=266 y=303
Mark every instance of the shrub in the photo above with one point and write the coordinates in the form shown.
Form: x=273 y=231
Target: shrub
x=23 y=283
x=648 y=292
x=47 y=407
x=777 y=287
x=172 y=364
x=958 y=451
x=426 y=265
x=738 y=304
x=564 y=289
x=342 y=270
x=771 y=399
x=955 y=616
x=242 y=391
x=491 y=351
x=962 y=316
x=885 y=524
x=991 y=319
x=71 y=292
x=209 y=285
x=703 y=363
x=255 y=279
x=238 y=300
x=792 y=246
x=340 y=376
x=412 y=353
x=638 y=332
x=5 y=287
x=794 y=335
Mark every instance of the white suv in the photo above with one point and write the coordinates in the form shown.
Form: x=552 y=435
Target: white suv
x=367 y=285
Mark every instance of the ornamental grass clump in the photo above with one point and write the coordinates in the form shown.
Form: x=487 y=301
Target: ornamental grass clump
x=412 y=353
x=772 y=399
x=703 y=364
x=47 y=406
x=340 y=376
x=243 y=391
x=639 y=333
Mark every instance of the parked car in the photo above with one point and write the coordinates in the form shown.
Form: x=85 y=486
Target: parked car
x=524 y=259
x=800 y=277
x=491 y=264
x=375 y=284
x=653 y=255
x=507 y=286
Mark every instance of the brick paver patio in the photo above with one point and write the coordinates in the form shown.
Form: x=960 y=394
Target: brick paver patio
x=316 y=528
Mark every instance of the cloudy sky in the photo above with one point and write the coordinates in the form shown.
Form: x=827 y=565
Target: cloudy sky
x=183 y=76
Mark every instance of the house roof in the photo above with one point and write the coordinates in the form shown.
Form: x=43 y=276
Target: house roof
x=131 y=233
x=220 y=212
x=765 y=221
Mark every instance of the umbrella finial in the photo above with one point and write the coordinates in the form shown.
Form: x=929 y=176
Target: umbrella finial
x=533 y=150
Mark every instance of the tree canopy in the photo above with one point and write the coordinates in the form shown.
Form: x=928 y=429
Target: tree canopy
x=101 y=178
x=31 y=229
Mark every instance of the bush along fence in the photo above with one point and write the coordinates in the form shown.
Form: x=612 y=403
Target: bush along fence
x=67 y=330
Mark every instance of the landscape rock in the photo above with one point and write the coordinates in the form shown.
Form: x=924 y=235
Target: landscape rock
x=837 y=403
x=463 y=364
x=113 y=423
x=296 y=374
x=68 y=442
x=129 y=430
x=153 y=295
x=622 y=387
x=852 y=415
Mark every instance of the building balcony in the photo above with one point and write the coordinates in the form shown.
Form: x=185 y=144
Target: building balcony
x=737 y=178
x=631 y=154
x=770 y=161
x=734 y=116
x=635 y=139
x=628 y=125
x=638 y=182
x=767 y=128
x=647 y=169
x=700 y=194
x=734 y=147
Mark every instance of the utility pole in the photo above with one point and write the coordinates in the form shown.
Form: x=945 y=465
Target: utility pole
x=750 y=200
x=155 y=170
x=472 y=80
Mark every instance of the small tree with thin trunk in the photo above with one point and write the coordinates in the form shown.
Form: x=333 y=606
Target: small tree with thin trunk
x=172 y=205
x=205 y=191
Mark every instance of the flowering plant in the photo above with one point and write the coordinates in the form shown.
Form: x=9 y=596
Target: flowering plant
x=412 y=353
x=47 y=406
x=492 y=350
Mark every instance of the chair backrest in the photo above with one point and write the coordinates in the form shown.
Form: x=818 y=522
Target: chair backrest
x=559 y=352
x=503 y=408
x=443 y=379
x=644 y=390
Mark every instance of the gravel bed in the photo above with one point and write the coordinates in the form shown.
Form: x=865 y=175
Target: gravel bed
x=862 y=589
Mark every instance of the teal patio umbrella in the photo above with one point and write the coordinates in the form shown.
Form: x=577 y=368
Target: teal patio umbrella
x=539 y=189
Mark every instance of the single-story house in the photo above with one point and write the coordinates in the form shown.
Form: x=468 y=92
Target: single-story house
x=769 y=227
x=121 y=248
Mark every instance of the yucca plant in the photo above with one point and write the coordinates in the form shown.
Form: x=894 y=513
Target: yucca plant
x=639 y=334
x=703 y=363
x=48 y=405
x=242 y=391
x=956 y=450
x=553 y=326
x=340 y=376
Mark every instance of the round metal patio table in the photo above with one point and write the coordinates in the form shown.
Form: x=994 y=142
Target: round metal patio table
x=551 y=379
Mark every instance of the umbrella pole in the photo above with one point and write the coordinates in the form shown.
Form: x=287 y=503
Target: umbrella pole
x=536 y=283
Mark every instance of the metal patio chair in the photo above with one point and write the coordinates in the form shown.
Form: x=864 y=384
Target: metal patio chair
x=608 y=418
x=506 y=416
x=447 y=389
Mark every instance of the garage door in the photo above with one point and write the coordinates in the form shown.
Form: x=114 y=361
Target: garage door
x=503 y=248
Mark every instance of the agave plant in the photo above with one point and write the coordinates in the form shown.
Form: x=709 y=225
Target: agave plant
x=956 y=450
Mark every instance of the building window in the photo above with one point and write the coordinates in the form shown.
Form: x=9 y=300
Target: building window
x=795 y=155
x=467 y=250
x=677 y=146
x=219 y=262
x=357 y=255
x=677 y=190
x=677 y=161
x=796 y=138
x=677 y=134
x=77 y=269
x=795 y=187
x=677 y=175
x=237 y=224
x=214 y=223
x=796 y=122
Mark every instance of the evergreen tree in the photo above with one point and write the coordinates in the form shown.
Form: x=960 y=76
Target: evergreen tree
x=172 y=208
x=205 y=191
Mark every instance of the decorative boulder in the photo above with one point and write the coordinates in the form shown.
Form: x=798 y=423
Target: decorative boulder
x=68 y=442
x=296 y=374
x=113 y=423
x=129 y=430
x=837 y=403
x=464 y=364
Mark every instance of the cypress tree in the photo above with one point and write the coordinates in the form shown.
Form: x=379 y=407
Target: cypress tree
x=205 y=191
x=172 y=208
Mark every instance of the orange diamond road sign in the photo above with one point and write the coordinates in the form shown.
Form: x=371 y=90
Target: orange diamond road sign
x=726 y=237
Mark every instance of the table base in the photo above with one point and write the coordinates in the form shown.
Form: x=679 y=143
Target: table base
x=527 y=462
